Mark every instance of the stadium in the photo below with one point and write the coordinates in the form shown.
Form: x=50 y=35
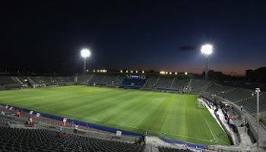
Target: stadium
x=133 y=76
x=116 y=110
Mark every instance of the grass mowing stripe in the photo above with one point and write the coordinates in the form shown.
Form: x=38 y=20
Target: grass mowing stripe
x=154 y=121
x=174 y=121
x=112 y=112
x=131 y=116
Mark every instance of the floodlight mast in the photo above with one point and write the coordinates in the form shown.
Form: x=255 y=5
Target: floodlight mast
x=206 y=50
x=85 y=65
x=85 y=53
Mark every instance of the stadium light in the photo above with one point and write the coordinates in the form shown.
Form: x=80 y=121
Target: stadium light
x=162 y=72
x=85 y=53
x=206 y=50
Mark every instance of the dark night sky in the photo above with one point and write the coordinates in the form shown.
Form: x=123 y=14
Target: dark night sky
x=160 y=35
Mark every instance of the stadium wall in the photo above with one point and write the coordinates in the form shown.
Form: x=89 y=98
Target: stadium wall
x=190 y=145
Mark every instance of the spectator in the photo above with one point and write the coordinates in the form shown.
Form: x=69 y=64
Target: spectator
x=76 y=129
x=30 y=121
x=18 y=113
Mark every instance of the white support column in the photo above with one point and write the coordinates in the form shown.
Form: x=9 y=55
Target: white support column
x=258 y=116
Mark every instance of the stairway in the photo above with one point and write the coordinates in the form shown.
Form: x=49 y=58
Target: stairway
x=17 y=80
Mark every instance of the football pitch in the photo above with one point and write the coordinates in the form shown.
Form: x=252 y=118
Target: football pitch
x=165 y=114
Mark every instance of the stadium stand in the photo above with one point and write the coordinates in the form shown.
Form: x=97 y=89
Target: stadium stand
x=179 y=84
x=168 y=83
x=98 y=80
x=18 y=81
x=7 y=83
x=42 y=81
x=237 y=94
x=63 y=80
x=133 y=82
x=197 y=86
x=19 y=139
x=150 y=82
x=217 y=89
x=249 y=103
x=163 y=83
x=111 y=80
x=84 y=79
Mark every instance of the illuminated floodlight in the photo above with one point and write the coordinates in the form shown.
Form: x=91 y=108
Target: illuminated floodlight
x=143 y=72
x=170 y=73
x=206 y=49
x=126 y=71
x=121 y=71
x=137 y=71
x=175 y=73
x=186 y=73
x=131 y=71
x=85 y=53
x=162 y=72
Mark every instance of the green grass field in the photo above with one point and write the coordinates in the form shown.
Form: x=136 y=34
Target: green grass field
x=165 y=114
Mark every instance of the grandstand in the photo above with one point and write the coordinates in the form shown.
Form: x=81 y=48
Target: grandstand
x=7 y=82
x=48 y=136
x=24 y=139
x=112 y=80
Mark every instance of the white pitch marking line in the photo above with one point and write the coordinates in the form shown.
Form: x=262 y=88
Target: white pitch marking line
x=210 y=130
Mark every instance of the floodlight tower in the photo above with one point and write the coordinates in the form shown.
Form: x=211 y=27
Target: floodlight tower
x=206 y=50
x=85 y=53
